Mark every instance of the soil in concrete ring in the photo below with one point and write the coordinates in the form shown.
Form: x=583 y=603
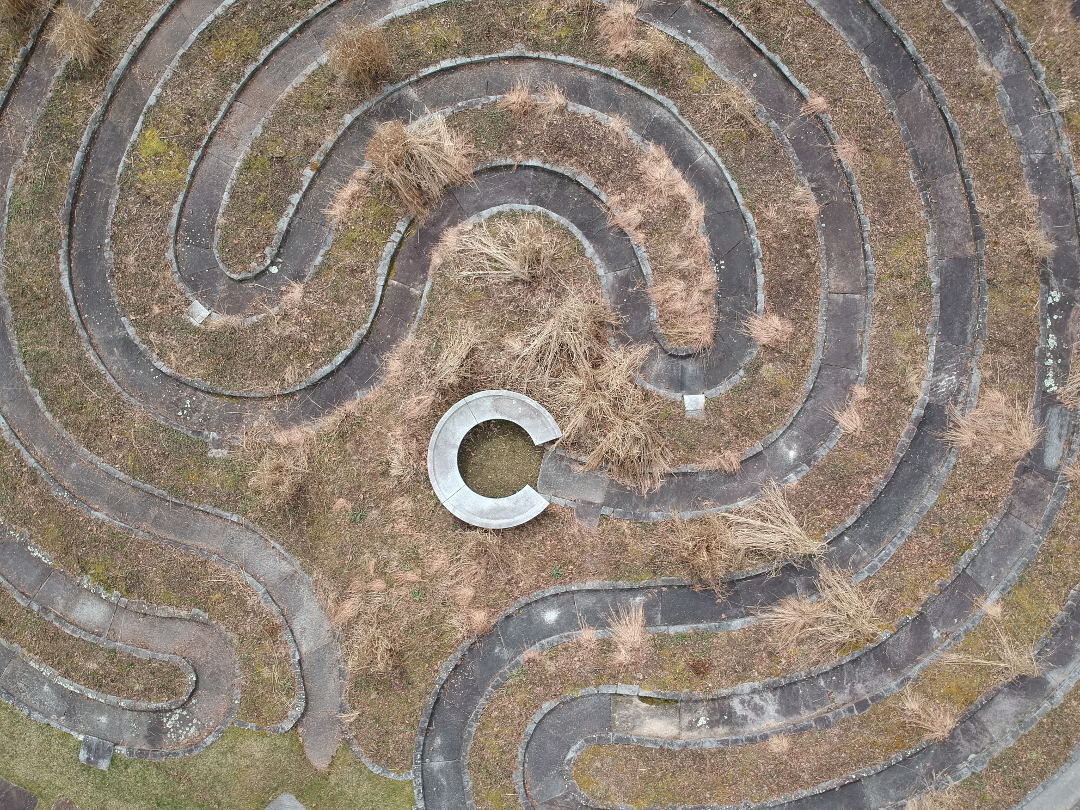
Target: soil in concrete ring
x=497 y=458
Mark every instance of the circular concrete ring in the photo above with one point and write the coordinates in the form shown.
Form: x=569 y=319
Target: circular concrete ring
x=442 y=458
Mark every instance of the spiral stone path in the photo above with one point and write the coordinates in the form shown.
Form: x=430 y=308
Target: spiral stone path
x=603 y=714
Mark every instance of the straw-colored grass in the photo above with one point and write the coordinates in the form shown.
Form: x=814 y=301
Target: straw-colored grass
x=1010 y=660
x=935 y=800
x=816 y=104
x=655 y=49
x=360 y=54
x=703 y=547
x=1037 y=243
x=575 y=334
x=17 y=9
x=999 y=427
x=75 y=37
x=608 y=412
x=349 y=198
x=841 y=618
x=587 y=637
x=687 y=306
x=617 y=28
x=1069 y=393
x=936 y=720
x=769 y=329
x=518 y=250
x=849 y=418
x=629 y=634
x=551 y=101
x=767 y=531
x=804 y=203
x=420 y=161
x=519 y=101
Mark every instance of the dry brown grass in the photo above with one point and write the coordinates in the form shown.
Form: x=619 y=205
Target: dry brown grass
x=687 y=306
x=349 y=198
x=703 y=547
x=17 y=9
x=849 y=418
x=617 y=28
x=1069 y=394
x=281 y=475
x=815 y=105
x=551 y=101
x=936 y=720
x=629 y=634
x=804 y=203
x=999 y=427
x=518 y=250
x=75 y=37
x=768 y=531
x=360 y=55
x=842 y=617
x=419 y=161
x=1010 y=660
x=586 y=638
x=769 y=329
x=575 y=334
x=519 y=101
x=1037 y=243
x=655 y=48
x=616 y=418
x=936 y=800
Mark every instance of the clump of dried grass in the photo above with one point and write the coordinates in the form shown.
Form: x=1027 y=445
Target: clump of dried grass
x=1037 y=243
x=449 y=368
x=349 y=197
x=703 y=546
x=281 y=474
x=606 y=411
x=935 y=800
x=617 y=27
x=75 y=37
x=769 y=329
x=936 y=720
x=629 y=634
x=361 y=55
x=517 y=250
x=655 y=49
x=841 y=617
x=1010 y=660
x=735 y=112
x=804 y=202
x=419 y=161
x=551 y=101
x=586 y=637
x=816 y=104
x=849 y=418
x=1069 y=393
x=686 y=307
x=768 y=531
x=16 y=10
x=574 y=334
x=519 y=101
x=999 y=427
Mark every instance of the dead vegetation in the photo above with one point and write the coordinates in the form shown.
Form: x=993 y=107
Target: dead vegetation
x=769 y=329
x=999 y=427
x=1037 y=243
x=623 y=37
x=850 y=418
x=1010 y=659
x=419 y=161
x=516 y=250
x=629 y=634
x=934 y=719
x=842 y=618
x=18 y=10
x=574 y=334
x=75 y=37
x=763 y=533
x=1069 y=393
x=360 y=55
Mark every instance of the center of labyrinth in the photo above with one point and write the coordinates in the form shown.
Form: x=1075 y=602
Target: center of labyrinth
x=781 y=293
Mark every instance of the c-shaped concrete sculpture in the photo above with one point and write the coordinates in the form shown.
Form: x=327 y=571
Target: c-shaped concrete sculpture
x=442 y=458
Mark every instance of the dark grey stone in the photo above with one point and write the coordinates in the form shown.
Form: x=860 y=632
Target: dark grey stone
x=96 y=753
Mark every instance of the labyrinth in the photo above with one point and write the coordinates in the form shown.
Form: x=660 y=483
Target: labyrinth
x=791 y=283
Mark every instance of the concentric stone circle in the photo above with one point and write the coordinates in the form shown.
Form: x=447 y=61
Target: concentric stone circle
x=560 y=731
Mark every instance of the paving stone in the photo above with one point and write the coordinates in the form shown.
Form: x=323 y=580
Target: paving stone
x=96 y=753
x=286 y=801
x=13 y=797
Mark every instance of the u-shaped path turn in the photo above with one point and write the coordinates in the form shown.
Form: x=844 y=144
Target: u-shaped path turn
x=863 y=543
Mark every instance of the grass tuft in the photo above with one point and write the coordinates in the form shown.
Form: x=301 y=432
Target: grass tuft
x=842 y=617
x=519 y=101
x=75 y=37
x=999 y=427
x=419 y=161
x=360 y=55
x=815 y=105
x=519 y=250
x=936 y=720
x=574 y=335
x=629 y=634
x=769 y=329
x=768 y=531
x=1037 y=243
x=617 y=27
x=17 y=10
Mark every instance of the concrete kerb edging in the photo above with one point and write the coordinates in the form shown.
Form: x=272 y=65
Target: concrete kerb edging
x=25 y=52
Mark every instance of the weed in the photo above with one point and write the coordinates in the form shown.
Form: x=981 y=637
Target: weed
x=629 y=634
x=519 y=250
x=75 y=37
x=575 y=334
x=17 y=9
x=767 y=530
x=936 y=720
x=518 y=102
x=815 y=105
x=617 y=27
x=998 y=427
x=1037 y=243
x=361 y=55
x=841 y=617
x=769 y=329
x=419 y=161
